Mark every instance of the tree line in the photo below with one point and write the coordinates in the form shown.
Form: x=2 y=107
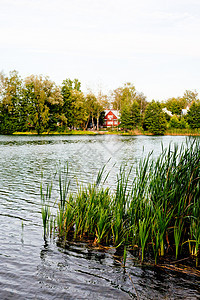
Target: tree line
x=36 y=103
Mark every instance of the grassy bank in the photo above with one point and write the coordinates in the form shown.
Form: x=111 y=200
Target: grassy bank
x=134 y=132
x=82 y=132
x=186 y=132
x=156 y=214
x=71 y=132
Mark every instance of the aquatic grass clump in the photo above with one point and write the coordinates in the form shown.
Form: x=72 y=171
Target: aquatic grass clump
x=157 y=211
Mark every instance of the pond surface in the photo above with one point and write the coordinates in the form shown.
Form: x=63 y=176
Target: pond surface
x=33 y=269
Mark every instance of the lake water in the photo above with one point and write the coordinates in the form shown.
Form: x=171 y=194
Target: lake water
x=33 y=269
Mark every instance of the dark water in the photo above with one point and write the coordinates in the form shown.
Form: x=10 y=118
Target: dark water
x=31 y=269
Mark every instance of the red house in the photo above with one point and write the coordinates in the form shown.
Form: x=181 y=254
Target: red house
x=111 y=118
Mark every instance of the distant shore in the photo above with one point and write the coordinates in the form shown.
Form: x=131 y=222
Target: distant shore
x=135 y=132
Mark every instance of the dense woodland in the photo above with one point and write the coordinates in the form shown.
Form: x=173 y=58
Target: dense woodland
x=37 y=104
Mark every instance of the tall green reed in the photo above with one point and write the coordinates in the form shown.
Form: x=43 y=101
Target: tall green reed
x=157 y=210
x=45 y=209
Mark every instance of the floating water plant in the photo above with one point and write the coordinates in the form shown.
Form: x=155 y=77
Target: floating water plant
x=157 y=211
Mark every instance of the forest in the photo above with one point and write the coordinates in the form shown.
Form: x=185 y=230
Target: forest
x=37 y=104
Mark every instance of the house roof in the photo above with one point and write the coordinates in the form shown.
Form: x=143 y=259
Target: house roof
x=185 y=110
x=114 y=111
x=165 y=110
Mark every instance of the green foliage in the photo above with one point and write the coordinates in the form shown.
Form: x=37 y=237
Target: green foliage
x=126 y=96
x=91 y=107
x=95 y=109
x=68 y=86
x=154 y=119
x=125 y=118
x=78 y=109
x=175 y=105
x=38 y=104
x=177 y=123
x=193 y=115
x=174 y=122
x=183 y=123
x=41 y=96
x=123 y=96
x=130 y=116
x=11 y=111
x=157 y=211
x=80 y=115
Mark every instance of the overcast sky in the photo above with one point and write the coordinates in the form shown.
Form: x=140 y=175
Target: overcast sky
x=153 y=44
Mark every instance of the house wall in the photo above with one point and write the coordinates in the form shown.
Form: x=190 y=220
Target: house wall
x=111 y=120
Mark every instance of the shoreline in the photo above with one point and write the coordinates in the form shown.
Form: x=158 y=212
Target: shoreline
x=130 y=133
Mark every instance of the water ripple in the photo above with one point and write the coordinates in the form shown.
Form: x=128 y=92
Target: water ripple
x=30 y=269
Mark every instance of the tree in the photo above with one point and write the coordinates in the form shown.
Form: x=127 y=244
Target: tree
x=193 y=115
x=174 y=122
x=183 y=123
x=10 y=102
x=175 y=105
x=91 y=108
x=142 y=102
x=80 y=114
x=54 y=102
x=40 y=95
x=135 y=114
x=154 y=118
x=68 y=86
x=130 y=116
x=95 y=106
x=125 y=118
x=190 y=96
x=123 y=96
x=102 y=103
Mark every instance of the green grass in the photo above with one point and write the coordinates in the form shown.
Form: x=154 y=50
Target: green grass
x=70 y=132
x=157 y=212
x=108 y=131
x=186 y=131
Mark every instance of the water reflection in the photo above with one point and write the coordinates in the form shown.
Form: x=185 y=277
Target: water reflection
x=80 y=266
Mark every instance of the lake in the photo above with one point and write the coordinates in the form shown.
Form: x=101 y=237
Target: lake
x=33 y=269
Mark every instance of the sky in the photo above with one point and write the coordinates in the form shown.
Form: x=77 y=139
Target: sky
x=153 y=44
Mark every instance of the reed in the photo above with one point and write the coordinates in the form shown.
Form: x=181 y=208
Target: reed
x=45 y=209
x=157 y=211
